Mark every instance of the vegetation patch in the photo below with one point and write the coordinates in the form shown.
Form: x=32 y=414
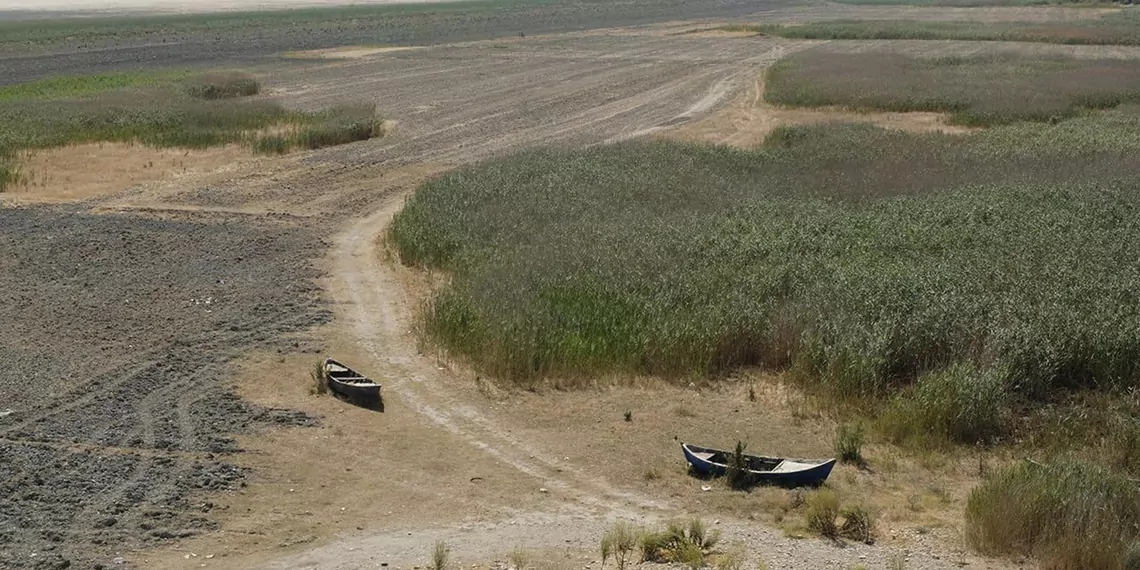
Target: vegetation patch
x=976 y=91
x=1068 y=514
x=1122 y=28
x=195 y=112
x=861 y=259
x=977 y=3
x=81 y=85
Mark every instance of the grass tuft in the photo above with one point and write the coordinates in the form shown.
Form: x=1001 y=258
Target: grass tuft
x=228 y=85
x=619 y=543
x=440 y=556
x=849 y=443
x=959 y=404
x=1070 y=514
x=518 y=559
x=320 y=378
x=688 y=543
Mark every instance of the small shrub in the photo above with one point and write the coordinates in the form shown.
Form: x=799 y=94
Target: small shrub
x=737 y=471
x=518 y=559
x=628 y=416
x=733 y=559
x=651 y=474
x=341 y=125
x=271 y=144
x=849 y=443
x=216 y=86
x=320 y=378
x=690 y=555
x=680 y=542
x=858 y=524
x=1070 y=514
x=439 y=556
x=619 y=541
x=822 y=512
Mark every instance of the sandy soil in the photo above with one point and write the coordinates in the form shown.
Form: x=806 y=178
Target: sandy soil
x=67 y=174
x=147 y=392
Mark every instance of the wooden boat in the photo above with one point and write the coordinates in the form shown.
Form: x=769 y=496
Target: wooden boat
x=761 y=470
x=350 y=383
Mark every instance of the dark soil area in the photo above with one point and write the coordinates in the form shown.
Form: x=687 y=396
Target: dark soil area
x=114 y=400
x=31 y=50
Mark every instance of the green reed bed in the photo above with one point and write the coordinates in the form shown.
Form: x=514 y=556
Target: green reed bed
x=976 y=91
x=969 y=289
x=1113 y=29
x=980 y=3
x=859 y=258
x=195 y=112
x=1068 y=514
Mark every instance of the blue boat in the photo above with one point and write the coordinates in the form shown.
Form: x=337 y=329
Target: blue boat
x=761 y=470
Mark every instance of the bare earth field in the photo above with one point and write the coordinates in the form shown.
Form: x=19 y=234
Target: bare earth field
x=154 y=404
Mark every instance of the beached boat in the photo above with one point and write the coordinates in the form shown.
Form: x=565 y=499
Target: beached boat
x=761 y=470
x=350 y=383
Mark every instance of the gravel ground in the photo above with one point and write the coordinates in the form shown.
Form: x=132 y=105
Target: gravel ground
x=113 y=395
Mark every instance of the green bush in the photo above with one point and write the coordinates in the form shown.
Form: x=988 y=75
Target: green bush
x=679 y=542
x=849 y=443
x=858 y=524
x=822 y=512
x=1069 y=514
x=213 y=86
x=961 y=404
x=737 y=469
x=271 y=144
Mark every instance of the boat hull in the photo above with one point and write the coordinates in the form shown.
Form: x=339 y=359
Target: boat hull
x=812 y=475
x=351 y=385
x=355 y=392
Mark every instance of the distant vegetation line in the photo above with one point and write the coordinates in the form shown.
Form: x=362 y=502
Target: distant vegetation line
x=1114 y=29
x=981 y=3
x=977 y=91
